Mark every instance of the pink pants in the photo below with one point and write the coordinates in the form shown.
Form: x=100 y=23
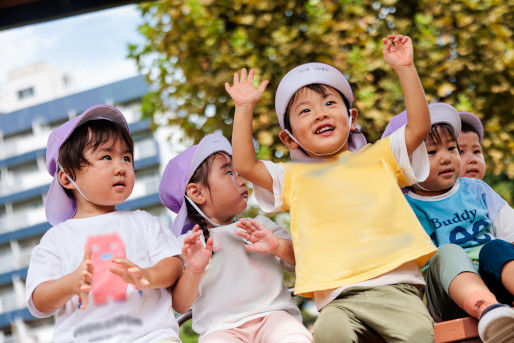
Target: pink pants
x=277 y=327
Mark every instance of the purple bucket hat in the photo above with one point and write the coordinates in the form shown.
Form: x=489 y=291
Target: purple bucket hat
x=307 y=74
x=439 y=113
x=59 y=207
x=473 y=121
x=178 y=172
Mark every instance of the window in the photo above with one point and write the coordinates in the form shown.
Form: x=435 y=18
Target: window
x=25 y=93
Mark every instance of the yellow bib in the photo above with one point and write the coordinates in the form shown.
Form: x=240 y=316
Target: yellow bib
x=349 y=219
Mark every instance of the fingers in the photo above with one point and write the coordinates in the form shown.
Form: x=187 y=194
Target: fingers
x=87 y=277
x=87 y=253
x=210 y=244
x=263 y=85
x=236 y=78
x=136 y=274
x=243 y=75
x=250 y=76
x=227 y=87
x=245 y=235
x=84 y=296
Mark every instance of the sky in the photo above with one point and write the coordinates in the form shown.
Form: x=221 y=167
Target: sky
x=91 y=47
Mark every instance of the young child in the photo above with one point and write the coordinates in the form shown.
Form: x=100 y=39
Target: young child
x=102 y=271
x=463 y=217
x=240 y=297
x=358 y=246
x=470 y=146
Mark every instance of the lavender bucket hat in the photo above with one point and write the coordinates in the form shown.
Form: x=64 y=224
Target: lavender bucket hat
x=473 y=121
x=307 y=74
x=59 y=207
x=439 y=113
x=178 y=172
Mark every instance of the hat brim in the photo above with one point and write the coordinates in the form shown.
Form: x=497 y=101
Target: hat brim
x=474 y=121
x=181 y=224
x=58 y=207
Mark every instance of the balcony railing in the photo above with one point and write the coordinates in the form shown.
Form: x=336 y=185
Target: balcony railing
x=20 y=182
x=20 y=145
x=22 y=219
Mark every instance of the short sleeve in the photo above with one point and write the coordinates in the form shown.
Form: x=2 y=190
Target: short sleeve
x=271 y=201
x=503 y=226
x=416 y=166
x=45 y=265
x=161 y=242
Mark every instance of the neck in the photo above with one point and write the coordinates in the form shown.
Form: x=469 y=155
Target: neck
x=428 y=192
x=87 y=209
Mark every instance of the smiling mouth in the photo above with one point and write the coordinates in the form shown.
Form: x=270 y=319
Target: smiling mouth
x=446 y=172
x=324 y=129
x=244 y=194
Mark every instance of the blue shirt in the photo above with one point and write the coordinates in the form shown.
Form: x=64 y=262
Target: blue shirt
x=462 y=216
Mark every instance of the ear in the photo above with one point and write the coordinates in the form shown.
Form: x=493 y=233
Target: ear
x=64 y=181
x=355 y=114
x=197 y=193
x=287 y=140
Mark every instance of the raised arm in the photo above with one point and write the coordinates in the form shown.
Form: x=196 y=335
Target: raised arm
x=400 y=57
x=245 y=96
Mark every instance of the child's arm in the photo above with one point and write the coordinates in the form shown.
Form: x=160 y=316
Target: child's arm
x=400 y=58
x=265 y=242
x=245 y=96
x=197 y=257
x=161 y=275
x=49 y=296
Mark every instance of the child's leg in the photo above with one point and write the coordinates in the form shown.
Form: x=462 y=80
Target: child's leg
x=453 y=285
x=371 y=311
x=224 y=336
x=497 y=269
x=281 y=327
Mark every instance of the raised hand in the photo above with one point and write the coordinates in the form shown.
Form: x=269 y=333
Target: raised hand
x=399 y=54
x=130 y=273
x=84 y=273
x=263 y=240
x=243 y=92
x=197 y=256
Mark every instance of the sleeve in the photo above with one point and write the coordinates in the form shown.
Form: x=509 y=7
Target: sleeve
x=271 y=201
x=45 y=265
x=503 y=226
x=416 y=166
x=161 y=242
x=278 y=231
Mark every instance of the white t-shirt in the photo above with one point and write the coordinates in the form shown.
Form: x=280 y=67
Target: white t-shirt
x=416 y=169
x=238 y=285
x=116 y=312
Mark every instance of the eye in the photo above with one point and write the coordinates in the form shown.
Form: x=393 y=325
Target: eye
x=229 y=172
x=329 y=103
x=127 y=158
x=461 y=151
x=306 y=110
x=451 y=148
x=477 y=152
x=107 y=157
x=432 y=152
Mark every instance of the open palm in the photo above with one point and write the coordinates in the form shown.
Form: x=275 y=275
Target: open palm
x=197 y=256
x=242 y=91
x=263 y=240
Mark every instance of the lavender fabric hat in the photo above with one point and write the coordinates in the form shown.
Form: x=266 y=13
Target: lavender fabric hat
x=439 y=113
x=178 y=172
x=307 y=74
x=473 y=121
x=59 y=207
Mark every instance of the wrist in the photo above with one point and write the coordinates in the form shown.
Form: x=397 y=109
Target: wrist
x=193 y=272
x=405 y=68
x=247 y=106
x=71 y=283
x=280 y=247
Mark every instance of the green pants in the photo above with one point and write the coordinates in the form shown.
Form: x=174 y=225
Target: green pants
x=394 y=312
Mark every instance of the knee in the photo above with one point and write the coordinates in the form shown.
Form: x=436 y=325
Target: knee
x=445 y=253
x=494 y=247
x=331 y=327
x=419 y=331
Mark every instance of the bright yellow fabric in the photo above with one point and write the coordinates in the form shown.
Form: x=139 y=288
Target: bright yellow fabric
x=349 y=219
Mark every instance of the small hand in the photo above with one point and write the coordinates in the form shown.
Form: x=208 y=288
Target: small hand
x=401 y=53
x=84 y=274
x=243 y=92
x=264 y=241
x=194 y=253
x=130 y=273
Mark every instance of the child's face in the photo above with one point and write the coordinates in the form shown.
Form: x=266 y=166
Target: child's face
x=108 y=179
x=472 y=159
x=319 y=122
x=444 y=162
x=227 y=191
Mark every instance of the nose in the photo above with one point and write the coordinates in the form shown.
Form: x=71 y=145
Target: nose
x=119 y=168
x=240 y=180
x=445 y=157
x=320 y=115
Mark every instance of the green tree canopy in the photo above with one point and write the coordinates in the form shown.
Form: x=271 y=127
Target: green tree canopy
x=463 y=52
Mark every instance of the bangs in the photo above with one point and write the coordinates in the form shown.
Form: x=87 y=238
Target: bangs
x=441 y=132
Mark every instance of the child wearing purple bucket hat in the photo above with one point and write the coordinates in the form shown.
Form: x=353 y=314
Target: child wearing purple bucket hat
x=358 y=245
x=470 y=146
x=237 y=293
x=102 y=272
x=473 y=229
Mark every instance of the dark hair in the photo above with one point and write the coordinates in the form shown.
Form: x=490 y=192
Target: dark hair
x=201 y=176
x=468 y=128
x=91 y=135
x=434 y=137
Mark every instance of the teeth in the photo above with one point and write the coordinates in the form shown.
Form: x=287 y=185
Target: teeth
x=325 y=129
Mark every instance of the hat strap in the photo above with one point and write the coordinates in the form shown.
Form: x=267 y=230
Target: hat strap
x=201 y=212
x=328 y=153
x=71 y=180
